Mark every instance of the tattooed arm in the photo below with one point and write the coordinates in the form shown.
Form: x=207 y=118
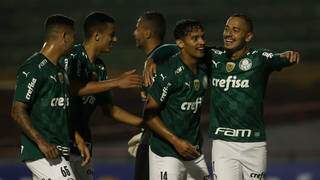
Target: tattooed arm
x=19 y=113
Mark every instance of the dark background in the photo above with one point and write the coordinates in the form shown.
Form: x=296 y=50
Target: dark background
x=292 y=103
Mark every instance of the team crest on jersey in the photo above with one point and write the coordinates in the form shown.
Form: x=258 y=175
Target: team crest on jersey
x=196 y=84
x=61 y=77
x=230 y=66
x=245 y=64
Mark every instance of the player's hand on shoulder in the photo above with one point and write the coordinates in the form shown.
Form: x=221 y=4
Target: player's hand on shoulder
x=50 y=151
x=186 y=149
x=292 y=56
x=149 y=71
x=129 y=79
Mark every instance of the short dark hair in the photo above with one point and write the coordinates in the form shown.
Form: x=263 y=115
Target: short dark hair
x=246 y=18
x=56 y=21
x=95 y=22
x=185 y=26
x=157 y=23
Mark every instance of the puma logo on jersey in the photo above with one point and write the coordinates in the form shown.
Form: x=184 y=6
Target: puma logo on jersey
x=187 y=84
x=194 y=106
x=230 y=82
x=54 y=78
x=163 y=76
x=26 y=74
x=30 y=88
x=216 y=51
x=215 y=63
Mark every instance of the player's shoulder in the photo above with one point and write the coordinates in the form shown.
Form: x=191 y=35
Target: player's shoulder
x=171 y=67
x=215 y=50
x=35 y=63
x=167 y=47
x=77 y=53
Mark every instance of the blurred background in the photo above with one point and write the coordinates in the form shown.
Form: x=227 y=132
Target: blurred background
x=292 y=103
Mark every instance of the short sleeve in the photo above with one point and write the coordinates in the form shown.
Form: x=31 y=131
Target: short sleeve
x=162 y=86
x=75 y=68
x=28 y=84
x=273 y=61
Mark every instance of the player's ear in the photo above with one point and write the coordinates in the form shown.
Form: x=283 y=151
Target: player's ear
x=96 y=36
x=64 y=36
x=180 y=43
x=249 y=36
x=147 y=34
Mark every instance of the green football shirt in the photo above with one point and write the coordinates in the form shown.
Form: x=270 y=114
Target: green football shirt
x=237 y=92
x=44 y=88
x=79 y=68
x=179 y=93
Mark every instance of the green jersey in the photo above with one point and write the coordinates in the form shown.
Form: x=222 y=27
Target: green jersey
x=179 y=93
x=79 y=68
x=44 y=88
x=237 y=93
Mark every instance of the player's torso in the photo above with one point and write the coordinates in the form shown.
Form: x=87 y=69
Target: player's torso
x=50 y=110
x=82 y=107
x=237 y=92
x=181 y=111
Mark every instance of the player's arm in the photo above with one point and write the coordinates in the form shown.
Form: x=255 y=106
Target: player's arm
x=81 y=86
x=20 y=115
x=29 y=80
x=277 y=61
x=121 y=115
x=152 y=119
x=83 y=148
x=128 y=79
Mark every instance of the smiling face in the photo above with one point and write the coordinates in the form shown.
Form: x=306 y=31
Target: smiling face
x=193 y=44
x=236 y=34
x=106 y=38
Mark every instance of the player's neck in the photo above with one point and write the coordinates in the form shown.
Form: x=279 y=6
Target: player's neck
x=150 y=46
x=190 y=61
x=90 y=50
x=51 y=52
x=239 y=53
